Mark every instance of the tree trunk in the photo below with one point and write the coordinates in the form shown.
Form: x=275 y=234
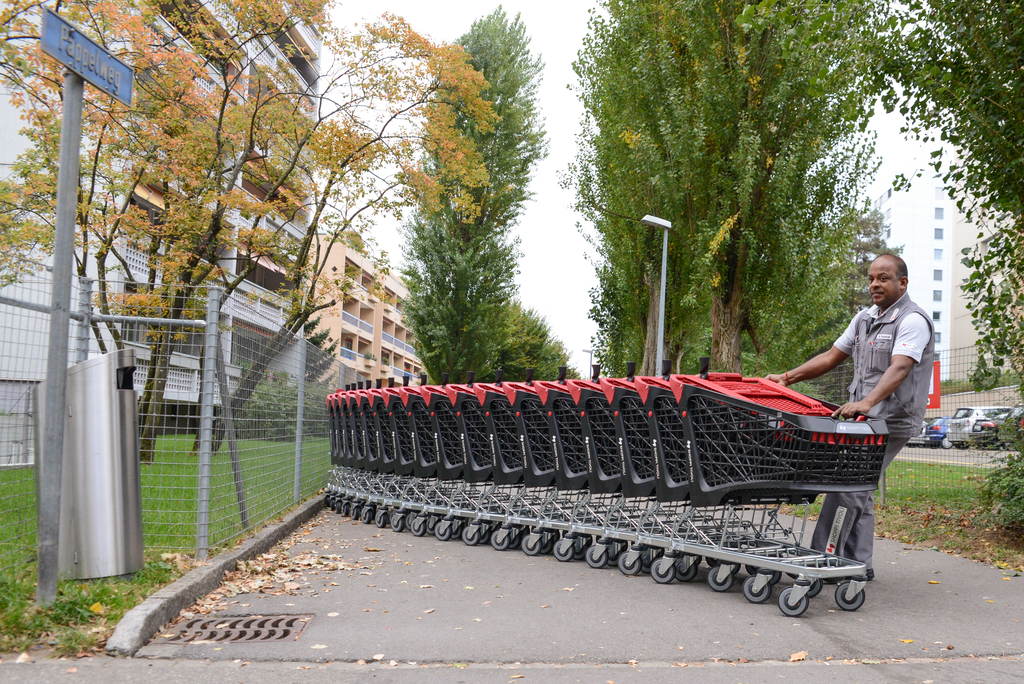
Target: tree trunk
x=650 y=361
x=727 y=322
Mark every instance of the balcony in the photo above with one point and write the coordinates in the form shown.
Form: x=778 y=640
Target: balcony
x=346 y=317
x=390 y=340
x=349 y=354
x=400 y=373
x=408 y=348
x=365 y=327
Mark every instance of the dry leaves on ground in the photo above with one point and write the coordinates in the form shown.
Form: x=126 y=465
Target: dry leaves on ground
x=798 y=656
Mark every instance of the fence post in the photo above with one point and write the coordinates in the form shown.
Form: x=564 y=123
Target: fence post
x=84 y=308
x=881 y=487
x=298 y=415
x=206 y=391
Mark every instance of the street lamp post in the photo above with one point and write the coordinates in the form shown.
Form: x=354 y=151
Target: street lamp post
x=656 y=222
x=590 y=362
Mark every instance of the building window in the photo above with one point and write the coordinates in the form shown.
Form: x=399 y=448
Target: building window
x=888 y=214
x=940 y=193
x=940 y=213
x=938 y=254
x=936 y=295
x=936 y=315
x=938 y=338
x=888 y=233
x=937 y=274
x=938 y=233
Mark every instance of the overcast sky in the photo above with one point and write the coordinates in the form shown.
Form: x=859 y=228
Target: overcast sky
x=556 y=271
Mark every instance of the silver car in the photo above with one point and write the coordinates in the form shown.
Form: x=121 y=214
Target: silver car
x=961 y=426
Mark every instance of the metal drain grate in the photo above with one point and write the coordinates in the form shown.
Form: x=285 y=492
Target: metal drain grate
x=247 y=628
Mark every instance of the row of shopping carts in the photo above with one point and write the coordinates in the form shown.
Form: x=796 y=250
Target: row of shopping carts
x=652 y=474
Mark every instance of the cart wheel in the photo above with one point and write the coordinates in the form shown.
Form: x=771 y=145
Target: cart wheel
x=471 y=535
x=630 y=563
x=548 y=542
x=443 y=530
x=686 y=573
x=397 y=521
x=485 y=534
x=368 y=514
x=615 y=550
x=354 y=511
x=762 y=596
x=816 y=585
x=501 y=540
x=531 y=544
x=597 y=556
x=346 y=508
x=564 y=550
x=432 y=521
x=647 y=558
x=663 y=570
x=853 y=604
x=718 y=583
x=409 y=517
x=380 y=518
x=714 y=563
x=751 y=569
x=458 y=524
x=792 y=610
x=580 y=547
x=418 y=526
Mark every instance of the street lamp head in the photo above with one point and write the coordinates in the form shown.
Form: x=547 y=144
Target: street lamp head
x=655 y=222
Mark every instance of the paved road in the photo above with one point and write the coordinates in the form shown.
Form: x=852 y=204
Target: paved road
x=418 y=600
x=978 y=458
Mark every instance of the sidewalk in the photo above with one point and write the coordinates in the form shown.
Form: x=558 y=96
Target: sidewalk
x=418 y=599
x=446 y=612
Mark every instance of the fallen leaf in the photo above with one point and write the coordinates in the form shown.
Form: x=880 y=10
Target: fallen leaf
x=319 y=646
x=468 y=588
x=476 y=619
x=949 y=647
x=360 y=662
x=393 y=663
x=798 y=656
x=426 y=586
x=379 y=656
x=569 y=589
x=933 y=582
x=71 y=670
x=23 y=658
x=292 y=586
x=544 y=606
x=332 y=615
x=96 y=607
x=1006 y=578
x=429 y=610
x=371 y=549
x=680 y=664
x=516 y=676
x=907 y=641
x=743 y=660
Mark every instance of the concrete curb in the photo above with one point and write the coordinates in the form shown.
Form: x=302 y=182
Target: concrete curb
x=144 y=620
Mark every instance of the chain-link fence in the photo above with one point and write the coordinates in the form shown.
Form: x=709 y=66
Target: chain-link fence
x=961 y=441
x=232 y=420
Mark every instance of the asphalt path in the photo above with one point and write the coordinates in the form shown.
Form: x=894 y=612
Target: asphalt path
x=426 y=601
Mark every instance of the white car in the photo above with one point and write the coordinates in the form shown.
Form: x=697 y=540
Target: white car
x=961 y=426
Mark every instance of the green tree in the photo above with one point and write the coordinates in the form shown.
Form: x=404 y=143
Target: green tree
x=460 y=253
x=741 y=124
x=960 y=72
x=529 y=343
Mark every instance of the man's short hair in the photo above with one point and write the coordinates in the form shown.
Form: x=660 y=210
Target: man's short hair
x=899 y=263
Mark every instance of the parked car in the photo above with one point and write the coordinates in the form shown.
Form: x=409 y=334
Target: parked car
x=921 y=439
x=962 y=433
x=1010 y=426
x=938 y=433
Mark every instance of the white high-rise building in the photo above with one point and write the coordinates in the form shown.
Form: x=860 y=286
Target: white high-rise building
x=921 y=220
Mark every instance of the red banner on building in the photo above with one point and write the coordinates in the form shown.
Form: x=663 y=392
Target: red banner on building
x=935 y=388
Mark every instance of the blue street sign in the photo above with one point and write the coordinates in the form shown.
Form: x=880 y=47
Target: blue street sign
x=80 y=54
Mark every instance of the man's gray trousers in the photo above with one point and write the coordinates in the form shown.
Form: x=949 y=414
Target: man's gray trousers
x=846 y=526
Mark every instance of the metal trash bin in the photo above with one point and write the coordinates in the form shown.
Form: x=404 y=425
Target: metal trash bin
x=101 y=489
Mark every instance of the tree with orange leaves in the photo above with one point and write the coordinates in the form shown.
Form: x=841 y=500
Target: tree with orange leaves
x=251 y=143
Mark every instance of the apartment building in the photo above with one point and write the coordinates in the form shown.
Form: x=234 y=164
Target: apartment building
x=369 y=323
x=922 y=220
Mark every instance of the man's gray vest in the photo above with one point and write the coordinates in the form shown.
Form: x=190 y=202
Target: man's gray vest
x=903 y=410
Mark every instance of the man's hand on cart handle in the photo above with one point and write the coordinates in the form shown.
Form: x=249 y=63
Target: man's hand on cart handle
x=853 y=409
x=780 y=379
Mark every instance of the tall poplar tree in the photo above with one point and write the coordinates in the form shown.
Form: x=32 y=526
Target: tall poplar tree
x=461 y=256
x=740 y=123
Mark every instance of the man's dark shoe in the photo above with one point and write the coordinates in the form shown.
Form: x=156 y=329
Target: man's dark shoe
x=871 y=574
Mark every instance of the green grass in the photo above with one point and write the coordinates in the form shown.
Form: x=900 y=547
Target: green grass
x=84 y=614
x=170 y=494
x=926 y=485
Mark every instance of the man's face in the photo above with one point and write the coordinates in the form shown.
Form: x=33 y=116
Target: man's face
x=884 y=285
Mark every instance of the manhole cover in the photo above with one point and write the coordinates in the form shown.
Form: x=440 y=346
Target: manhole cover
x=234 y=629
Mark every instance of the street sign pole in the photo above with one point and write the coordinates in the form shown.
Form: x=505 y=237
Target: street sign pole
x=51 y=464
x=84 y=60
